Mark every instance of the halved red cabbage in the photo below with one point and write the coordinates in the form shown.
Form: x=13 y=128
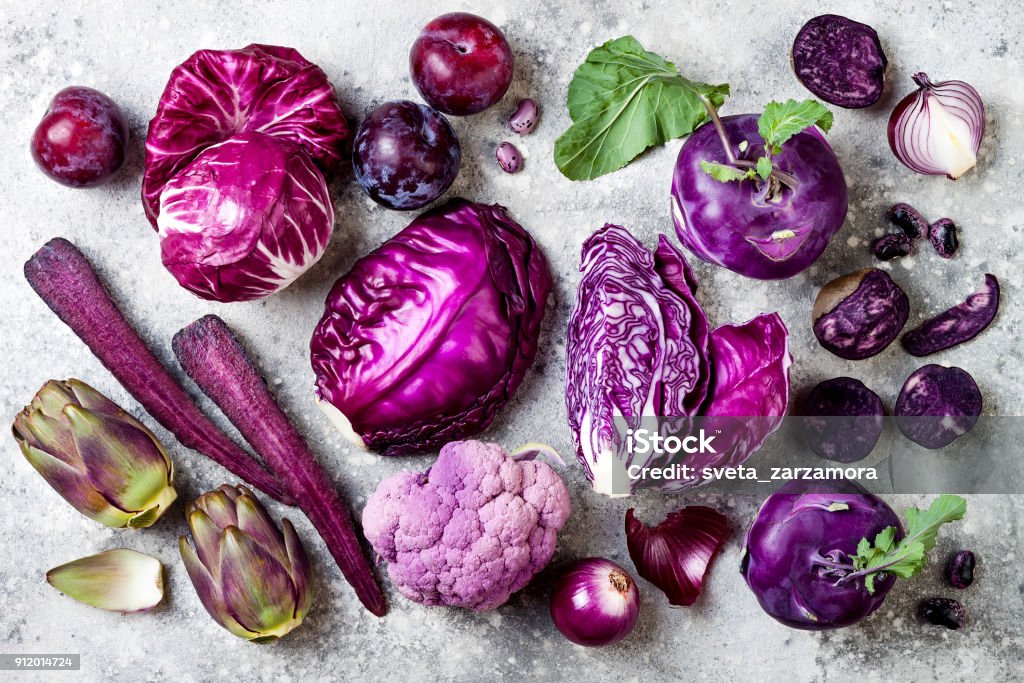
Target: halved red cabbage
x=639 y=356
x=425 y=338
x=957 y=325
x=857 y=315
x=636 y=348
x=842 y=419
x=749 y=390
x=216 y=94
x=244 y=234
x=938 y=405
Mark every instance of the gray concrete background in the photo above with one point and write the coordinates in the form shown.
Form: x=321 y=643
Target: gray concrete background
x=128 y=49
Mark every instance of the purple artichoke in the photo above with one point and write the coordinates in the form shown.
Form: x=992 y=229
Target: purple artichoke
x=99 y=458
x=253 y=579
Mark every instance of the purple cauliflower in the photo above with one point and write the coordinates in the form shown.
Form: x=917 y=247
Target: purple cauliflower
x=471 y=530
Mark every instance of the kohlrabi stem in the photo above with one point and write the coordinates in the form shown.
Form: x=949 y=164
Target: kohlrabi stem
x=730 y=156
x=716 y=121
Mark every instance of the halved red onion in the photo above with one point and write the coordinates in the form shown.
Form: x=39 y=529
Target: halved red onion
x=675 y=554
x=937 y=129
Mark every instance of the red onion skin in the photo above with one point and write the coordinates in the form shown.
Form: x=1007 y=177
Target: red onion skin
x=576 y=602
x=969 y=101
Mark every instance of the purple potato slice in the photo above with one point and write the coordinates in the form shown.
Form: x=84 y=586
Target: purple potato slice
x=840 y=60
x=938 y=405
x=959 y=324
x=857 y=315
x=842 y=420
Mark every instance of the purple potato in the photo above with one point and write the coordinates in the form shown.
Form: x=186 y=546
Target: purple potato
x=82 y=139
x=908 y=219
x=891 y=246
x=957 y=325
x=842 y=419
x=840 y=60
x=405 y=155
x=735 y=226
x=857 y=315
x=942 y=235
x=938 y=405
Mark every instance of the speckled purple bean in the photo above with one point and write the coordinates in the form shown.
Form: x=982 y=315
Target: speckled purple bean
x=893 y=245
x=942 y=234
x=524 y=118
x=908 y=219
x=509 y=158
x=960 y=570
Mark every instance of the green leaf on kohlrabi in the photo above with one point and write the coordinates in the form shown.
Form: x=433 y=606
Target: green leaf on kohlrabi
x=906 y=557
x=623 y=100
x=781 y=121
x=724 y=173
x=764 y=167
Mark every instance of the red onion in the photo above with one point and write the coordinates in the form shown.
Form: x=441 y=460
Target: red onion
x=937 y=130
x=595 y=602
x=675 y=554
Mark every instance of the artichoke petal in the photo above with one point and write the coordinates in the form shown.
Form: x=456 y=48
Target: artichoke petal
x=207 y=537
x=119 y=580
x=299 y=569
x=219 y=506
x=124 y=462
x=95 y=402
x=208 y=592
x=254 y=521
x=74 y=487
x=49 y=434
x=51 y=399
x=256 y=587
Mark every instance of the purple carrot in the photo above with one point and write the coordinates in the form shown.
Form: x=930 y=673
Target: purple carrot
x=213 y=357
x=63 y=277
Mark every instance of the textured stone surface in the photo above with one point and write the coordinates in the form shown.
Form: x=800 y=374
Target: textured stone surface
x=128 y=53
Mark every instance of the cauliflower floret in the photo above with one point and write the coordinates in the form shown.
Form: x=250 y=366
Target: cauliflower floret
x=471 y=530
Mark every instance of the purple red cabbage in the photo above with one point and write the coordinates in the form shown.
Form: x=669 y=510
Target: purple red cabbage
x=428 y=336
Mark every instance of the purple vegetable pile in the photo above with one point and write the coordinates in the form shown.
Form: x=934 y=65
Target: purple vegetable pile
x=426 y=338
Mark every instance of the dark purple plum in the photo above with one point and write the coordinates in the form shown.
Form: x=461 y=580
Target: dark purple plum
x=857 y=315
x=461 y=64
x=938 y=405
x=942 y=235
x=959 y=324
x=908 y=219
x=82 y=139
x=893 y=245
x=405 y=155
x=842 y=419
x=840 y=60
